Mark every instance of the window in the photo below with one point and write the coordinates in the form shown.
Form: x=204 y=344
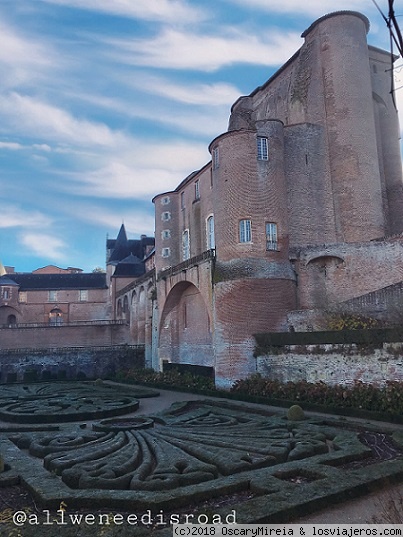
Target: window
x=165 y=200
x=166 y=252
x=166 y=233
x=6 y=293
x=197 y=190
x=210 y=233
x=83 y=295
x=216 y=158
x=22 y=297
x=262 y=148
x=245 y=231
x=185 y=245
x=271 y=236
x=166 y=216
x=56 y=317
x=182 y=200
x=52 y=296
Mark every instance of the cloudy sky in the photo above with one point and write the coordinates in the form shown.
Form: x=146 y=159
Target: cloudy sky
x=105 y=103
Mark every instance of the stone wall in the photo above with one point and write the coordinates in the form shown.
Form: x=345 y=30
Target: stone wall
x=71 y=364
x=74 y=335
x=335 y=364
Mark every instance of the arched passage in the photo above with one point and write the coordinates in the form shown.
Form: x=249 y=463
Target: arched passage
x=185 y=334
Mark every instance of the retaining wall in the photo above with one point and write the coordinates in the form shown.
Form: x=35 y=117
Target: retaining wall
x=335 y=364
x=80 y=363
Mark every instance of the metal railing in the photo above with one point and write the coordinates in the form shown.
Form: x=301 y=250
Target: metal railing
x=189 y=263
x=100 y=322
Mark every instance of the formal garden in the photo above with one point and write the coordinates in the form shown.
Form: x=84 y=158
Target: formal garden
x=84 y=449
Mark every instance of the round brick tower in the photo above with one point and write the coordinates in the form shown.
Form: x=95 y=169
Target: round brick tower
x=340 y=39
x=254 y=282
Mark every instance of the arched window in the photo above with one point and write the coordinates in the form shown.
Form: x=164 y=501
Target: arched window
x=210 y=233
x=56 y=317
x=185 y=245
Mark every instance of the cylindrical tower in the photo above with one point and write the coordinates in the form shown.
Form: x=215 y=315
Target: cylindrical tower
x=350 y=124
x=254 y=283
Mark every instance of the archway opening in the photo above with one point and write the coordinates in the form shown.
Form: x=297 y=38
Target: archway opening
x=185 y=334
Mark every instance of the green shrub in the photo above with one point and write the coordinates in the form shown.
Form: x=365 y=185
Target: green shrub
x=295 y=413
x=388 y=398
x=170 y=378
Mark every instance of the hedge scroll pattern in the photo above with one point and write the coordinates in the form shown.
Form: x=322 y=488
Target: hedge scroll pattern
x=66 y=401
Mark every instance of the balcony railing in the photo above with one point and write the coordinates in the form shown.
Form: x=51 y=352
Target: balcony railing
x=101 y=322
x=189 y=263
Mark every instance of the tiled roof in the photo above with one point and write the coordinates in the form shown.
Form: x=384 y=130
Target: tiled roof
x=28 y=281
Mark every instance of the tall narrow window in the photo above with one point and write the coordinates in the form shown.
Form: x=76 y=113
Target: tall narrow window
x=271 y=236
x=185 y=245
x=245 y=231
x=210 y=233
x=83 y=295
x=216 y=158
x=197 y=190
x=262 y=148
x=52 y=296
x=182 y=200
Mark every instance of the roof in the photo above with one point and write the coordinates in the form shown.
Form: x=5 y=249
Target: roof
x=122 y=247
x=28 y=281
x=6 y=280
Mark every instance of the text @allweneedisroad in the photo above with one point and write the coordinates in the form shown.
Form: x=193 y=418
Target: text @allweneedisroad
x=160 y=519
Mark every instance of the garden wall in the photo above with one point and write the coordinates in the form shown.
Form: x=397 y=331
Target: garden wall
x=334 y=364
x=80 y=363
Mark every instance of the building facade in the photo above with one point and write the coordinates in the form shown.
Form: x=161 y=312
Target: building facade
x=298 y=212
x=55 y=298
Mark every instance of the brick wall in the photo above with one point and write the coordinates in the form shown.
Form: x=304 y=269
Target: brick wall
x=63 y=336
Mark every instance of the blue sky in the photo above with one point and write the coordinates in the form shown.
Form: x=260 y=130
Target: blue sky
x=105 y=103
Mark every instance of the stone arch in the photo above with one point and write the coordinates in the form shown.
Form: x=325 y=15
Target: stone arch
x=323 y=272
x=56 y=317
x=185 y=333
x=119 y=309
x=8 y=313
x=141 y=316
x=126 y=309
x=133 y=316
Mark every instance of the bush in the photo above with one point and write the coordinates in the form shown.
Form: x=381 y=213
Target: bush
x=170 y=379
x=388 y=398
x=295 y=413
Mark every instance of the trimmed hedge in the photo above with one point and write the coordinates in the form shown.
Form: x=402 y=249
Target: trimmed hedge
x=166 y=379
x=374 y=337
x=387 y=399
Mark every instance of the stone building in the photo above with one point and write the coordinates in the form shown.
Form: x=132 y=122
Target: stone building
x=298 y=212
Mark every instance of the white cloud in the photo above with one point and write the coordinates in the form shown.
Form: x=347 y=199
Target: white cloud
x=34 y=117
x=24 y=59
x=214 y=94
x=12 y=146
x=136 y=221
x=188 y=50
x=42 y=244
x=13 y=216
x=314 y=8
x=173 y=11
